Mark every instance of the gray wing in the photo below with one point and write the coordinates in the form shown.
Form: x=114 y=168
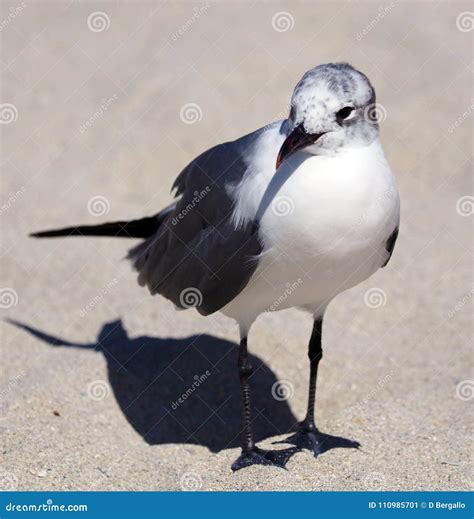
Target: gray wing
x=198 y=258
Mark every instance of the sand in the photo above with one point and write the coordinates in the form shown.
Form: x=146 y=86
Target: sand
x=96 y=113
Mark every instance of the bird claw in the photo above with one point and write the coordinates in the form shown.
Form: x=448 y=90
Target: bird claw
x=318 y=442
x=257 y=456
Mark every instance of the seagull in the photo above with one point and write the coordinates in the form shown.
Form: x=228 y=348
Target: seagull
x=290 y=215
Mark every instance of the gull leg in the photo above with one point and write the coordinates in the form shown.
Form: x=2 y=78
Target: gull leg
x=251 y=454
x=315 y=354
x=308 y=436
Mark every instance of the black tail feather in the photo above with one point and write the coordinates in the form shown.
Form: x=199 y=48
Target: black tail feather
x=142 y=228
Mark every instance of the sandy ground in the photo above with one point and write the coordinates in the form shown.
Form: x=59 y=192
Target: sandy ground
x=88 y=393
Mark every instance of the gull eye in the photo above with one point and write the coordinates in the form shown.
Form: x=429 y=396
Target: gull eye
x=345 y=112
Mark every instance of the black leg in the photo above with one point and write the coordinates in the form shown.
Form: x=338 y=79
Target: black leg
x=245 y=370
x=308 y=436
x=315 y=354
x=251 y=454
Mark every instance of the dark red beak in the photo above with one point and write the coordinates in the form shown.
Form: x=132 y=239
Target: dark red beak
x=297 y=140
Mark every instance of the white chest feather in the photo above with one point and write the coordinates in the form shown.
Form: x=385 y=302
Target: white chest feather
x=324 y=222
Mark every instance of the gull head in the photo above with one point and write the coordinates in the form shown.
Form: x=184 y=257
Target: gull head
x=332 y=108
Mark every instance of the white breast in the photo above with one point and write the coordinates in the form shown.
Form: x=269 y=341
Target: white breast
x=324 y=222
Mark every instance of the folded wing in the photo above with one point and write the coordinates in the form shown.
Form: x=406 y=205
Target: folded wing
x=198 y=257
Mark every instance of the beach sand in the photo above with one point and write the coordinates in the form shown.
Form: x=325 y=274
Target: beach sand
x=108 y=107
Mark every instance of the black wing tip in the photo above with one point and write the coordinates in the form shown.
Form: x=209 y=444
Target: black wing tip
x=48 y=234
x=40 y=234
x=142 y=228
x=57 y=233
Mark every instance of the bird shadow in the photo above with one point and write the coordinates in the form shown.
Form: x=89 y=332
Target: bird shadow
x=183 y=390
x=187 y=390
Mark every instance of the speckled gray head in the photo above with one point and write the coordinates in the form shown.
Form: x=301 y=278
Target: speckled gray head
x=330 y=110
